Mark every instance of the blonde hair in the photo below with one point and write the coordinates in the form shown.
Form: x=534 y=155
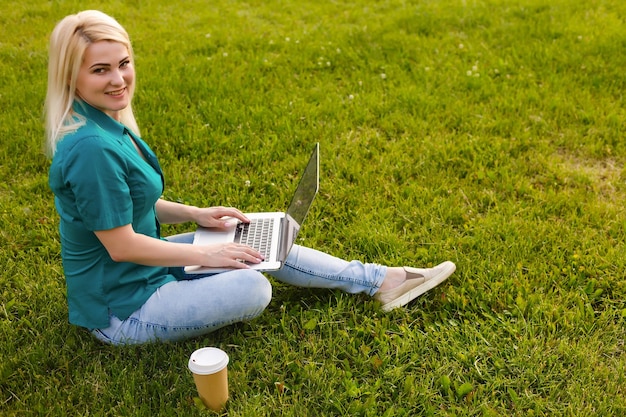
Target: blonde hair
x=68 y=42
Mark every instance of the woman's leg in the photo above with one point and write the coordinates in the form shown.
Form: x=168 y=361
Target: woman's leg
x=189 y=308
x=393 y=287
x=306 y=267
x=181 y=238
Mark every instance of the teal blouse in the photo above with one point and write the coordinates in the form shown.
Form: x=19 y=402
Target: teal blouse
x=101 y=182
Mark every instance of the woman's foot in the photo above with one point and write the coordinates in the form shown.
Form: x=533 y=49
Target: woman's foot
x=396 y=292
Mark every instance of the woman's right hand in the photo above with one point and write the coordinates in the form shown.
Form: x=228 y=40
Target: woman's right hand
x=230 y=255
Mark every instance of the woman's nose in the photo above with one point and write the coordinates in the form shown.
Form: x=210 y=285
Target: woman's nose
x=117 y=78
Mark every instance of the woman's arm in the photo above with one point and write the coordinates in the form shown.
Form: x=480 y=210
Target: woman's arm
x=169 y=212
x=124 y=245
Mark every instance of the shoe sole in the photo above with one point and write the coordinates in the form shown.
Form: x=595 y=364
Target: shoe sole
x=409 y=296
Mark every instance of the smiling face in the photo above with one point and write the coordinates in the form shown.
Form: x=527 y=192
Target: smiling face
x=106 y=77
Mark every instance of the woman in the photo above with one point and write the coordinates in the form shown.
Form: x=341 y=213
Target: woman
x=124 y=283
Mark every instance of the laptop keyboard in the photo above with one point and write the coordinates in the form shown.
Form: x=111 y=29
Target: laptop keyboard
x=256 y=234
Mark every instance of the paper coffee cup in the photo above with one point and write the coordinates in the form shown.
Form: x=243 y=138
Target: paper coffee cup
x=210 y=373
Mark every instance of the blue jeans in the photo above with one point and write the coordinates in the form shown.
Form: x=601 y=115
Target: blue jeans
x=199 y=304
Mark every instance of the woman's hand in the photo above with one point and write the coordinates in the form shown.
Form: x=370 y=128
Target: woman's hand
x=230 y=255
x=220 y=217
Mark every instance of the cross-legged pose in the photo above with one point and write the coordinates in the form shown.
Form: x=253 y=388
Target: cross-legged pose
x=124 y=282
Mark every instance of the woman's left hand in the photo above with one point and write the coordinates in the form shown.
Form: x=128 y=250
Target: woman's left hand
x=220 y=217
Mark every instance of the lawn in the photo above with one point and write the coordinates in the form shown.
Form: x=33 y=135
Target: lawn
x=486 y=132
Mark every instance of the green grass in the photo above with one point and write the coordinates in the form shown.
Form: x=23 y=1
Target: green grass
x=488 y=132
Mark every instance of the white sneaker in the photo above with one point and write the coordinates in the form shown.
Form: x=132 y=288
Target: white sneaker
x=418 y=281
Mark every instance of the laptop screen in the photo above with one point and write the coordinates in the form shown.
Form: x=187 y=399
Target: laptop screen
x=307 y=188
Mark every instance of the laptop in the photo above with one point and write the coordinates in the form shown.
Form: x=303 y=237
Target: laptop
x=271 y=233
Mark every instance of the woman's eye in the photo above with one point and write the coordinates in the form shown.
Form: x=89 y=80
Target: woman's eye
x=124 y=64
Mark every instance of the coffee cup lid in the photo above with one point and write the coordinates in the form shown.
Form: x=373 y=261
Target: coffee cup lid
x=207 y=361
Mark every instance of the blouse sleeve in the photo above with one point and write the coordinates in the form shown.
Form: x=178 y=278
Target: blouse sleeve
x=97 y=175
